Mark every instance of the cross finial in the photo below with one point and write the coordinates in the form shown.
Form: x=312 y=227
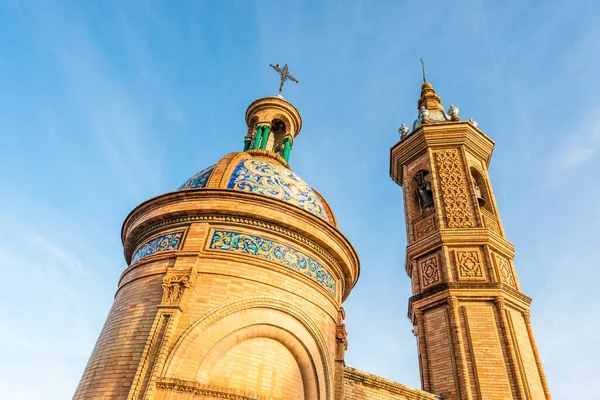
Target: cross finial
x=423 y=67
x=284 y=74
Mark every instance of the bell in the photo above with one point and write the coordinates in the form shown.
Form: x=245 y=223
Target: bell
x=423 y=191
x=425 y=197
x=480 y=199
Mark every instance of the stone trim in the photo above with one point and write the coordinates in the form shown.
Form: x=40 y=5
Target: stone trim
x=245 y=221
x=374 y=381
x=468 y=285
x=198 y=389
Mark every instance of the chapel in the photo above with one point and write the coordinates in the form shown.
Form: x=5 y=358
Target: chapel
x=235 y=281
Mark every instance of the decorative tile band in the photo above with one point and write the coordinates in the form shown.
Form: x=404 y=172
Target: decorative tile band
x=170 y=241
x=199 y=180
x=274 y=180
x=256 y=246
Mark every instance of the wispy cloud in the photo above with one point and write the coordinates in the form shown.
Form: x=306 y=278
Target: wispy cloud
x=578 y=156
x=60 y=253
x=581 y=146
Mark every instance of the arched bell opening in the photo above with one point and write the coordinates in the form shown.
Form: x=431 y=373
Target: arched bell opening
x=251 y=136
x=481 y=190
x=276 y=141
x=421 y=188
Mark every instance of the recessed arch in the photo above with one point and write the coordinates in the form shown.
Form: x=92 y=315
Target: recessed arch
x=295 y=347
x=254 y=316
x=482 y=190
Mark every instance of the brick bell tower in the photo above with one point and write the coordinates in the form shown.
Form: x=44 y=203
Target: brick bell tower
x=470 y=318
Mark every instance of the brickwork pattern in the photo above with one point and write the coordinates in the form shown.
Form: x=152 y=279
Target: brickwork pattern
x=261 y=366
x=468 y=314
x=359 y=385
x=193 y=322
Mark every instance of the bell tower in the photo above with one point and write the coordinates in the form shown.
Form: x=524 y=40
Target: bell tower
x=470 y=318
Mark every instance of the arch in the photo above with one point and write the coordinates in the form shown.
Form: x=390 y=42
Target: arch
x=252 y=129
x=279 y=129
x=288 y=126
x=481 y=183
x=417 y=190
x=282 y=336
x=248 y=318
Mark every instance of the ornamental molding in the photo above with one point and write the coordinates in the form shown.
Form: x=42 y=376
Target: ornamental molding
x=460 y=237
x=151 y=229
x=138 y=223
x=366 y=379
x=198 y=389
x=174 y=287
x=341 y=341
x=486 y=291
x=139 y=215
x=443 y=135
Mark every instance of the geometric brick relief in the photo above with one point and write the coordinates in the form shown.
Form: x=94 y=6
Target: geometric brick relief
x=243 y=243
x=430 y=271
x=469 y=265
x=424 y=227
x=170 y=241
x=455 y=195
x=506 y=274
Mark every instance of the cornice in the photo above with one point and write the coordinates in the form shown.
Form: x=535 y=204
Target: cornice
x=278 y=103
x=198 y=205
x=472 y=291
x=378 y=382
x=459 y=237
x=439 y=135
x=198 y=389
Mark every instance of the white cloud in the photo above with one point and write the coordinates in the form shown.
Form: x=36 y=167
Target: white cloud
x=578 y=156
x=580 y=147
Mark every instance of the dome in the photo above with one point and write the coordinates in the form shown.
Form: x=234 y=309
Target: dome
x=264 y=173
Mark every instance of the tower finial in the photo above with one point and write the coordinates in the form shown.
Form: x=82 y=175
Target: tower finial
x=284 y=74
x=423 y=67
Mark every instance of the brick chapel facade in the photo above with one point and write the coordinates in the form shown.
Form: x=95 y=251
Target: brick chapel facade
x=235 y=282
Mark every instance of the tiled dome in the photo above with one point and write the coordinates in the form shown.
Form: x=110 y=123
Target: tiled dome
x=257 y=172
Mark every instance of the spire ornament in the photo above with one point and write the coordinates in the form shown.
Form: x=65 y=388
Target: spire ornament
x=284 y=74
x=453 y=112
x=423 y=67
x=403 y=131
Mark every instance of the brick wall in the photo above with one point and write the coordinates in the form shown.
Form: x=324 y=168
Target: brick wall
x=359 y=385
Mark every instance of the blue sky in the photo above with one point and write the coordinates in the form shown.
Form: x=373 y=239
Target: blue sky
x=106 y=104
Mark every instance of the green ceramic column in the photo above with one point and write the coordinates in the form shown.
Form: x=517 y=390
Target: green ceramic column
x=287 y=147
x=247 y=144
x=257 y=137
x=265 y=136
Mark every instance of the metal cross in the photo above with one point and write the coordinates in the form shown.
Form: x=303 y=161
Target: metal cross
x=283 y=72
x=424 y=76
